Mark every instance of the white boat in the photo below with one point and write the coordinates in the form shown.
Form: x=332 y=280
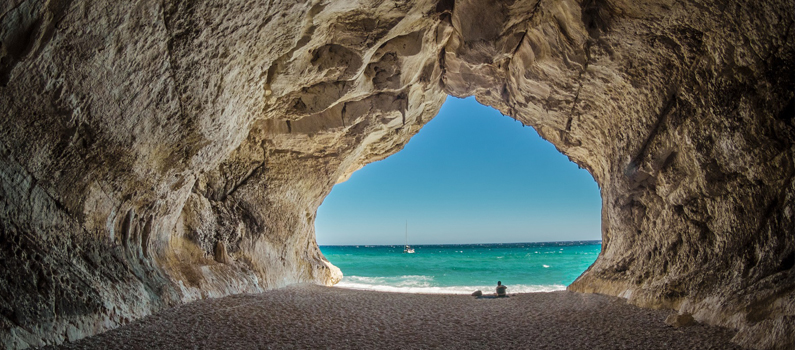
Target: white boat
x=407 y=248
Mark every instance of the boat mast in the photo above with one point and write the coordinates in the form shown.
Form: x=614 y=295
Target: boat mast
x=407 y=233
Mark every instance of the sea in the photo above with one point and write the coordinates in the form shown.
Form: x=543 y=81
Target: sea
x=463 y=268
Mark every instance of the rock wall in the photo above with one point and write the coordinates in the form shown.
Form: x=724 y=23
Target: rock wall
x=158 y=152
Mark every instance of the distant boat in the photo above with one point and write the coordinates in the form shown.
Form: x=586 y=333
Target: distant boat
x=408 y=249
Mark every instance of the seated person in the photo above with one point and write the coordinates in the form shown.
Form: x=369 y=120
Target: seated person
x=501 y=289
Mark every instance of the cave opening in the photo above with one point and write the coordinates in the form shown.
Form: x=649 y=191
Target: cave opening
x=479 y=196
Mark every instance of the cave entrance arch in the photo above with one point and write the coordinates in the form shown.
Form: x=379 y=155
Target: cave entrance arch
x=471 y=175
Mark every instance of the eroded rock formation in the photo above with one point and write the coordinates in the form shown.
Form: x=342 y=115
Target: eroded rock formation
x=159 y=152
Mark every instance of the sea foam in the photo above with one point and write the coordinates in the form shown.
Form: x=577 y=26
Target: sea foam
x=423 y=285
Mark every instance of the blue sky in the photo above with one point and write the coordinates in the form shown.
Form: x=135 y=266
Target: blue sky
x=471 y=175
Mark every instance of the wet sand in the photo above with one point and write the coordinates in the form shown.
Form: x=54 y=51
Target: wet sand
x=315 y=317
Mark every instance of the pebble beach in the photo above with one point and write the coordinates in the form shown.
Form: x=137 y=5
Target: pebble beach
x=317 y=317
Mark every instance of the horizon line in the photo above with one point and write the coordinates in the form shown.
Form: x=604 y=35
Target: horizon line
x=417 y=245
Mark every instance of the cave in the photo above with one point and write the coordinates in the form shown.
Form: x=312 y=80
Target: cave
x=157 y=153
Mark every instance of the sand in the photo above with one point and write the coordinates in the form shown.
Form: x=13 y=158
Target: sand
x=309 y=317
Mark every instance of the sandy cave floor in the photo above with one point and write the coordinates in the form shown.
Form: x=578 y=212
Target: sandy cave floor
x=309 y=317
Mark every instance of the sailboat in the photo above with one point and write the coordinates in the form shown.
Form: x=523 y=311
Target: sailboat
x=407 y=248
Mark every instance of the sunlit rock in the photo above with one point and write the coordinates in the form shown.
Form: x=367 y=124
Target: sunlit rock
x=680 y=320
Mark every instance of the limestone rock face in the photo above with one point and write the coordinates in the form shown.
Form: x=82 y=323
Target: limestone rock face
x=158 y=152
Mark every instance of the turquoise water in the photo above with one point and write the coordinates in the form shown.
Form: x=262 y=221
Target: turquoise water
x=463 y=268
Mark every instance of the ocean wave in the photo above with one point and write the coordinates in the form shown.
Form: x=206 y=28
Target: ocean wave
x=405 y=285
x=405 y=281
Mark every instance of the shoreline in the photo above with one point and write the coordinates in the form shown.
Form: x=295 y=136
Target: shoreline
x=448 y=290
x=311 y=316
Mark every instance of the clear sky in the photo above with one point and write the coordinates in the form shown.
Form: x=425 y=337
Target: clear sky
x=471 y=175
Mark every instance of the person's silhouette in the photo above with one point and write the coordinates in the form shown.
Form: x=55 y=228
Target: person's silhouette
x=501 y=289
